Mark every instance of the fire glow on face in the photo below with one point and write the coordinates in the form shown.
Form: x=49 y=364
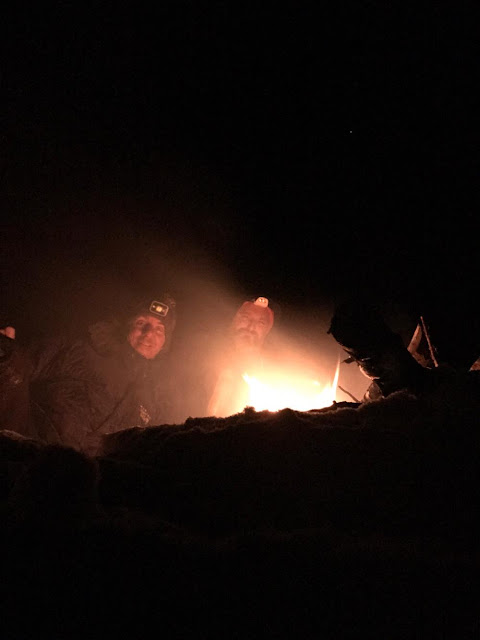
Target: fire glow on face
x=276 y=392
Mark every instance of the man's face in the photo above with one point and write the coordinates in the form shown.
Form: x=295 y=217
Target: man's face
x=146 y=335
x=250 y=326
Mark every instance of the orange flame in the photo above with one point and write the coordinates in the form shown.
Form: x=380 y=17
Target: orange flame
x=274 y=392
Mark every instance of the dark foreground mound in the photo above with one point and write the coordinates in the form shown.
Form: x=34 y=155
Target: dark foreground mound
x=335 y=523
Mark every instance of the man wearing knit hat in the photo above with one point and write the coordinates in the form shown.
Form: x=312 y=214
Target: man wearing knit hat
x=245 y=353
x=150 y=326
x=251 y=325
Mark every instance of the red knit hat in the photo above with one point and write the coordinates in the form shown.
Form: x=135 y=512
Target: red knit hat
x=261 y=303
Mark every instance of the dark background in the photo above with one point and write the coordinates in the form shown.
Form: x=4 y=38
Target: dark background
x=304 y=153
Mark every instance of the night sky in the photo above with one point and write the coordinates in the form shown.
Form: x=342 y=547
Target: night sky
x=303 y=153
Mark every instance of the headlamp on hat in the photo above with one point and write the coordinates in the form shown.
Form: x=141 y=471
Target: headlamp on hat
x=261 y=302
x=159 y=308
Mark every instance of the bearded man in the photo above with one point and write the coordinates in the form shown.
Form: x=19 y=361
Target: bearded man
x=244 y=354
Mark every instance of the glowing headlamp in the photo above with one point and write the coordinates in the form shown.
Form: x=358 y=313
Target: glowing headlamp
x=159 y=308
x=261 y=302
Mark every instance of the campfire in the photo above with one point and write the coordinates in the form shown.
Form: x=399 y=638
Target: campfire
x=274 y=391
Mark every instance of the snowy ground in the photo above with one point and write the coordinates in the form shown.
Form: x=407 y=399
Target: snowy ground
x=335 y=523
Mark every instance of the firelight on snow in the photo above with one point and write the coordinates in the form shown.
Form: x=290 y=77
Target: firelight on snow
x=274 y=392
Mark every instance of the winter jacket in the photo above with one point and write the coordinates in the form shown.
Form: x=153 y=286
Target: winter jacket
x=81 y=390
x=16 y=368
